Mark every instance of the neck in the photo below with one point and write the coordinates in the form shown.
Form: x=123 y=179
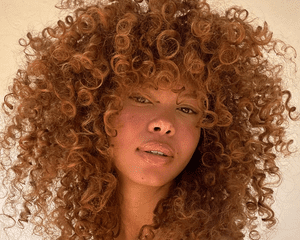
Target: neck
x=137 y=205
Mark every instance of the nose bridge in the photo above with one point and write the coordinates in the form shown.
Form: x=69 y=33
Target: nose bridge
x=163 y=123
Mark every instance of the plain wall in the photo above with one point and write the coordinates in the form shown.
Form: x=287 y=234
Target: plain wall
x=17 y=17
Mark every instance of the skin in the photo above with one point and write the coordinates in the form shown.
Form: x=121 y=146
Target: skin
x=151 y=115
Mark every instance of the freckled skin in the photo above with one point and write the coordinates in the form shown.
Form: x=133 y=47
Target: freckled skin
x=158 y=118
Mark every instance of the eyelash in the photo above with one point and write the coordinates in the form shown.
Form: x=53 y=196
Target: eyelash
x=190 y=111
x=135 y=98
x=145 y=101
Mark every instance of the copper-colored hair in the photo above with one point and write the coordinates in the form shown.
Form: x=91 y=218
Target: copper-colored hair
x=62 y=104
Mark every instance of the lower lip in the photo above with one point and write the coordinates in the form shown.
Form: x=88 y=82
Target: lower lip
x=154 y=159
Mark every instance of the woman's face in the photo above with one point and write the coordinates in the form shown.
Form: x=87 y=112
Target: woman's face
x=156 y=137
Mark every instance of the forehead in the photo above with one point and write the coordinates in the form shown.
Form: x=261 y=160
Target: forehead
x=183 y=86
x=180 y=89
x=176 y=85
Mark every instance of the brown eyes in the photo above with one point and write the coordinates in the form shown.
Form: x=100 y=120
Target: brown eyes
x=187 y=110
x=139 y=99
x=143 y=100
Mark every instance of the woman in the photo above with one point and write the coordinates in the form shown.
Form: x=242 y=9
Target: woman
x=149 y=120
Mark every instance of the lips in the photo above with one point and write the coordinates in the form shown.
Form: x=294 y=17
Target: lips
x=155 y=146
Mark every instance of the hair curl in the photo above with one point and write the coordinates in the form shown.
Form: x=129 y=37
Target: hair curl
x=62 y=104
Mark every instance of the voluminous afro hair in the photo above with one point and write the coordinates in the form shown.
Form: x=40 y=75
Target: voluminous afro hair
x=61 y=106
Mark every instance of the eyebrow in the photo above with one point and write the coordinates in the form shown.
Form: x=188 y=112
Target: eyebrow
x=188 y=95
x=191 y=95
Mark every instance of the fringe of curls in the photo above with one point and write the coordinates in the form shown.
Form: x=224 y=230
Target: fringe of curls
x=62 y=104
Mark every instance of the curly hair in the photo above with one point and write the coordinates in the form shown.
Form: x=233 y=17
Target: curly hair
x=61 y=106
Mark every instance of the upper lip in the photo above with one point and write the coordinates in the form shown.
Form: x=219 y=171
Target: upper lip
x=166 y=149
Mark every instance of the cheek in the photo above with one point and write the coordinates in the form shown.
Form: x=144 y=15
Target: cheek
x=129 y=125
x=133 y=117
x=189 y=138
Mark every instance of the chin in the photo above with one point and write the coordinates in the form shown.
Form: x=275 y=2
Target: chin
x=154 y=180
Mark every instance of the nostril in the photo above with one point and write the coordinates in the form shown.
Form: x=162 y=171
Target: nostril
x=157 y=129
x=161 y=127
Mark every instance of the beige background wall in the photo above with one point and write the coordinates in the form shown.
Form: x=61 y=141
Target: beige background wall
x=17 y=17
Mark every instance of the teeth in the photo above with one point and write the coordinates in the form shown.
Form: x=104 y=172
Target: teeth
x=157 y=153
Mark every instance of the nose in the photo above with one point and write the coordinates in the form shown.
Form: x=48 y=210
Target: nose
x=161 y=126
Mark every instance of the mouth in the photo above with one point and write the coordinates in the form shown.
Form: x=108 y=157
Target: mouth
x=157 y=153
x=157 y=148
x=155 y=158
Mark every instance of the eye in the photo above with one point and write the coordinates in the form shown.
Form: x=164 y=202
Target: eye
x=187 y=110
x=139 y=99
